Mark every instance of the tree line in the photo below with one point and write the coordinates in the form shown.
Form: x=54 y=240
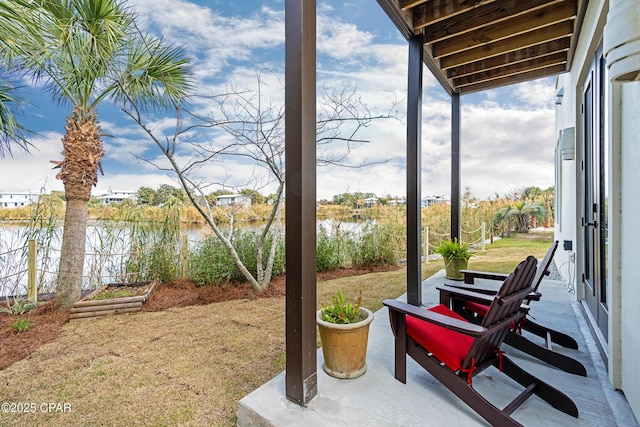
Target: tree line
x=169 y=194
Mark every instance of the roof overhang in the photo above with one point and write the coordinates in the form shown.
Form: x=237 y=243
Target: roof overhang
x=474 y=45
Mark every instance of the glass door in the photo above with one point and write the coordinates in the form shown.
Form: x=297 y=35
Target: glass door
x=594 y=221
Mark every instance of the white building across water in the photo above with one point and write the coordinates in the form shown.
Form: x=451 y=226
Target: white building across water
x=17 y=200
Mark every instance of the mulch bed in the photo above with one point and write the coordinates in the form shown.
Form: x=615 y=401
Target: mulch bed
x=48 y=322
x=183 y=293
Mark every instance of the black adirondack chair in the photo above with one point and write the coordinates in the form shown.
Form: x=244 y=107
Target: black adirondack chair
x=474 y=311
x=455 y=350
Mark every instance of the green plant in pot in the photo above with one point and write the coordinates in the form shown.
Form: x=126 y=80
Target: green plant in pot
x=456 y=257
x=344 y=332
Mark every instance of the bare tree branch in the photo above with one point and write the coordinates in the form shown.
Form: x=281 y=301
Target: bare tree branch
x=254 y=124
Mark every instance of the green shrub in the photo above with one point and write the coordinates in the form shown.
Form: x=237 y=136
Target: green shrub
x=246 y=243
x=164 y=264
x=19 y=305
x=21 y=325
x=153 y=261
x=375 y=247
x=211 y=264
x=327 y=252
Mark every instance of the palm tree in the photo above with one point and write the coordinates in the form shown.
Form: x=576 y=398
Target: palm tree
x=544 y=197
x=520 y=216
x=85 y=52
x=547 y=198
x=11 y=131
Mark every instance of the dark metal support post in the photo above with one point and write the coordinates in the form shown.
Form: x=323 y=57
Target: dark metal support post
x=455 y=166
x=300 y=148
x=414 y=165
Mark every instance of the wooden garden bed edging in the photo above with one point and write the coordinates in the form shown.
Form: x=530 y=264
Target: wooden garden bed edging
x=87 y=308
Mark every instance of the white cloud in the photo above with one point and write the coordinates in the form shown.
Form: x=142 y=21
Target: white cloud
x=30 y=172
x=342 y=41
x=507 y=133
x=216 y=40
x=505 y=147
x=538 y=94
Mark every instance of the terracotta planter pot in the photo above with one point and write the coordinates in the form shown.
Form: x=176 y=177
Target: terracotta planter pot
x=453 y=266
x=345 y=346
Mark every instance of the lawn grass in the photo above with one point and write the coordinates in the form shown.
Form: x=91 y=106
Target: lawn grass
x=188 y=366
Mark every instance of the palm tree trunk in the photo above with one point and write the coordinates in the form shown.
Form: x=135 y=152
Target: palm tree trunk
x=79 y=172
x=547 y=214
x=69 y=286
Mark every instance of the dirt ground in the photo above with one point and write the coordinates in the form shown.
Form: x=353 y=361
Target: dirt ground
x=47 y=322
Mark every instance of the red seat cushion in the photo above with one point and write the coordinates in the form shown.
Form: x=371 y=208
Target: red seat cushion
x=447 y=346
x=480 y=309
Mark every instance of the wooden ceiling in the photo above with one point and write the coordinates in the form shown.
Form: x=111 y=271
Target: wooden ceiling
x=474 y=45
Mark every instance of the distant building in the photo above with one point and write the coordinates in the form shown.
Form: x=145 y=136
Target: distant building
x=233 y=200
x=118 y=197
x=370 y=202
x=433 y=200
x=17 y=200
x=397 y=202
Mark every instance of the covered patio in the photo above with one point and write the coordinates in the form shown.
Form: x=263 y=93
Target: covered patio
x=468 y=46
x=377 y=399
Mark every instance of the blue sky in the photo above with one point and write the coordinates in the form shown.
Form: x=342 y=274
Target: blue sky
x=507 y=134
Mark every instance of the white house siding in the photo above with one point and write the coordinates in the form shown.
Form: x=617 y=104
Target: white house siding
x=567 y=118
x=17 y=200
x=234 y=200
x=623 y=172
x=565 y=227
x=118 y=197
x=630 y=289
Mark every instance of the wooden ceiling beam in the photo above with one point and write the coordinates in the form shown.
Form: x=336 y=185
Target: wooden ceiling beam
x=475 y=45
x=532 y=52
x=537 y=19
x=487 y=14
x=437 y=10
x=581 y=6
x=556 y=31
x=408 y=4
x=518 y=78
x=402 y=19
x=512 y=69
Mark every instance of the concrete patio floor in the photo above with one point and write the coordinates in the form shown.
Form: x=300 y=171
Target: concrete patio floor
x=377 y=399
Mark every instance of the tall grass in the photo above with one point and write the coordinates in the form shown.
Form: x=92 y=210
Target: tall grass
x=329 y=251
x=373 y=245
x=210 y=263
x=130 y=248
x=42 y=226
x=379 y=244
